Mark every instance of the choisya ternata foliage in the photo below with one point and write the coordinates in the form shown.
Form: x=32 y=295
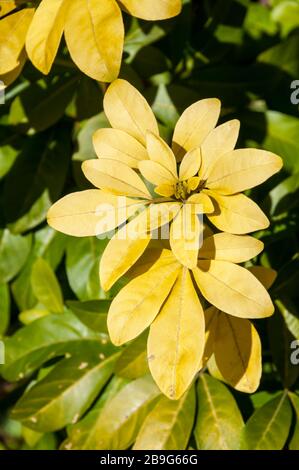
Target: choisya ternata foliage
x=93 y=30
x=194 y=296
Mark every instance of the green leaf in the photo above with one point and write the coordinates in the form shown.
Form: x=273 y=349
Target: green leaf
x=168 y=426
x=284 y=55
x=66 y=392
x=268 y=427
x=4 y=308
x=115 y=424
x=132 y=362
x=14 y=250
x=286 y=14
x=93 y=313
x=285 y=196
x=290 y=315
x=48 y=244
x=46 y=287
x=40 y=341
x=82 y=266
x=219 y=422
x=43 y=103
x=294 y=442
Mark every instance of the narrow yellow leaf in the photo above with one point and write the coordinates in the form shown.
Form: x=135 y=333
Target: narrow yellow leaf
x=219 y=141
x=176 y=339
x=159 y=152
x=156 y=173
x=127 y=110
x=232 y=289
x=45 y=32
x=194 y=125
x=116 y=177
x=118 y=145
x=89 y=213
x=185 y=237
x=242 y=169
x=237 y=350
x=137 y=304
x=236 y=214
x=152 y=9
x=211 y=320
x=190 y=164
x=13 y=30
x=94 y=33
x=228 y=247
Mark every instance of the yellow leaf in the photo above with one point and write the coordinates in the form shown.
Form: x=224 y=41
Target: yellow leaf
x=236 y=214
x=94 y=33
x=237 y=350
x=137 y=304
x=185 y=237
x=89 y=213
x=201 y=203
x=128 y=244
x=11 y=76
x=166 y=190
x=156 y=173
x=118 y=145
x=232 y=289
x=211 y=319
x=176 y=339
x=159 y=152
x=219 y=141
x=127 y=110
x=6 y=6
x=194 y=125
x=116 y=177
x=45 y=32
x=266 y=276
x=152 y=9
x=190 y=164
x=228 y=247
x=13 y=31
x=242 y=169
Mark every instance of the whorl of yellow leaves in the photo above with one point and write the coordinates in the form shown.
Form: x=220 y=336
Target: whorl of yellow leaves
x=195 y=297
x=93 y=30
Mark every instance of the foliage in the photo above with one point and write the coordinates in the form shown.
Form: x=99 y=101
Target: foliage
x=64 y=385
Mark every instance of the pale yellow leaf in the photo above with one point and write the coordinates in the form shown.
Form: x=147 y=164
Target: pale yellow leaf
x=237 y=350
x=89 y=213
x=228 y=247
x=156 y=173
x=242 y=169
x=13 y=29
x=118 y=145
x=116 y=177
x=6 y=6
x=201 y=203
x=232 y=289
x=94 y=33
x=45 y=32
x=190 y=164
x=176 y=339
x=219 y=141
x=211 y=319
x=186 y=237
x=236 y=214
x=159 y=152
x=194 y=125
x=137 y=304
x=127 y=110
x=152 y=9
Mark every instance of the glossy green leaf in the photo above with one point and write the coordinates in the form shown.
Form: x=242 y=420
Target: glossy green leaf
x=268 y=427
x=14 y=250
x=93 y=313
x=46 y=287
x=4 y=308
x=66 y=392
x=294 y=442
x=219 y=422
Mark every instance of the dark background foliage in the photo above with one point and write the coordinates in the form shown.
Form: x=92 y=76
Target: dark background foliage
x=245 y=53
